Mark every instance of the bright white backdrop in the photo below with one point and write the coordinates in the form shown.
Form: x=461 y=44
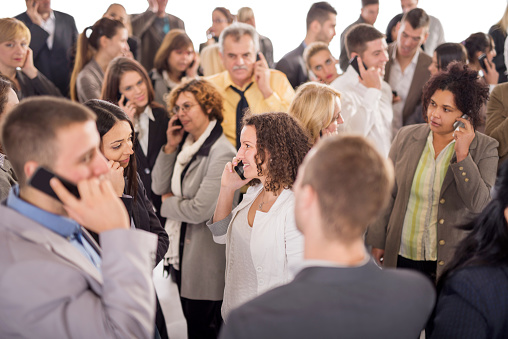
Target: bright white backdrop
x=283 y=21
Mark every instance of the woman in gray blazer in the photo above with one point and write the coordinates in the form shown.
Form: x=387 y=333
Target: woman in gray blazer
x=187 y=173
x=443 y=176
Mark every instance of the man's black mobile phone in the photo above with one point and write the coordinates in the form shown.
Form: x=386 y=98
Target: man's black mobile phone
x=42 y=176
x=481 y=60
x=239 y=170
x=177 y=122
x=458 y=123
x=354 y=62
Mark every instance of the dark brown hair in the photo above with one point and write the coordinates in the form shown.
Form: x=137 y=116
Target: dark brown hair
x=281 y=145
x=319 y=11
x=175 y=39
x=417 y=18
x=358 y=36
x=226 y=13
x=478 y=42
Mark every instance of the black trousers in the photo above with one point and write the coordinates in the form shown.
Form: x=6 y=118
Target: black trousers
x=428 y=268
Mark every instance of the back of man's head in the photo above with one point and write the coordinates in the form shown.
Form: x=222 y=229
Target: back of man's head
x=358 y=36
x=237 y=31
x=319 y=11
x=352 y=182
x=417 y=18
x=30 y=129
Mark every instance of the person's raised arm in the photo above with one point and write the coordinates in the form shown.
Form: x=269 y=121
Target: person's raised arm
x=230 y=182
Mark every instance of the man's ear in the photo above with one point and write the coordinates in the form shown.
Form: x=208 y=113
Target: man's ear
x=353 y=54
x=315 y=27
x=426 y=36
x=29 y=168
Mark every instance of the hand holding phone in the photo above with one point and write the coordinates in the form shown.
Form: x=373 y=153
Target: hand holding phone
x=459 y=124
x=354 y=63
x=40 y=180
x=481 y=59
x=239 y=170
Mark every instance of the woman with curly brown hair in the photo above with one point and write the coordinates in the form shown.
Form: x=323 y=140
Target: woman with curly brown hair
x=443 y=176
x=260 y=234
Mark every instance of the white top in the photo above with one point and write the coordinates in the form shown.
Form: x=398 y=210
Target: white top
x=141 y=126
x=49 y=26
x=436 y=35
x=241 y=269
x=366 y=111
x=401 y=82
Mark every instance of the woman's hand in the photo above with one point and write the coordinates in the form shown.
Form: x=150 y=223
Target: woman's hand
x=129 y=108
x=230 y=179
x=463 y=138
x=174 y=135
x=115 y=176
x=192 y=71
x=490 y=75
x=28 y=67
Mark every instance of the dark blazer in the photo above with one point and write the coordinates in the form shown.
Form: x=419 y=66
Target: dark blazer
x=293 y=65
x=499 y=37
x=497 y=119
x=420 y=77
x=464 y=193
x=473 y=304
x=156 y=139
x=56 y=63
x=40 y=85
x=338 y=302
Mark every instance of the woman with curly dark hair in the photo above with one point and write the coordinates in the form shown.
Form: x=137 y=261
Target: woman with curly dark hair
x=443 y=176
x=260 y=233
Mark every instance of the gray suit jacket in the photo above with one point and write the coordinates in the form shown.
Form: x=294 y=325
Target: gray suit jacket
x=51 y=290
x=497 y=119
x=464 y=193
x=420 y=77
x=203 y=261
x=293 y=65
x=338 y=302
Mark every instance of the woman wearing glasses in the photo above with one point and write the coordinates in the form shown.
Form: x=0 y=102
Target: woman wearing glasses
x=188 y=174
x=127 y=83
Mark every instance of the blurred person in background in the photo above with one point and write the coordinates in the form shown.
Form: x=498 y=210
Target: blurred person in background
x=246 y=15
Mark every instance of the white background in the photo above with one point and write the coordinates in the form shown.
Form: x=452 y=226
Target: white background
x=283 y=21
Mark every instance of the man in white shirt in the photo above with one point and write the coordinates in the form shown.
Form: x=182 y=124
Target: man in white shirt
x=367 y=99
x=407 y=70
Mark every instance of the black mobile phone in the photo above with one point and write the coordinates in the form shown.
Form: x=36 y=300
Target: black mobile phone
x=239 y=170
x=354 y=62
x=258 y=57
x=177 y=122
x=481 y=60
x=42 y=176
x=395 y=93
x=119 y=96
x=458 y=123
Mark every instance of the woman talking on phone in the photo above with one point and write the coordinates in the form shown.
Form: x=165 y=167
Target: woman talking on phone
x=262 y=241
x=444 y=170
x=127 y=83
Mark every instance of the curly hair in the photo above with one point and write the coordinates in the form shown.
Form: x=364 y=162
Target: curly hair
x=470 y=93
x=282 y=144
x=205 y=94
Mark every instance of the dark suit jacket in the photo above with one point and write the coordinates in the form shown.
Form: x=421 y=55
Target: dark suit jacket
x=343 y=59
x=473 y=304
x=56 y=63
x=332 y=302
x=420 y=77
x=293 y=65
x=156 y=139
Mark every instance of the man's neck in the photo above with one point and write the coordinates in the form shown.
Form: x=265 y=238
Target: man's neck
x=345 y=254
x=240 y=84
x=41 y=200
x=309 y=39
x=45 y=16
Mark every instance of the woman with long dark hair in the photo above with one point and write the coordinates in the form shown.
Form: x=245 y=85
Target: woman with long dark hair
x=473 y=290
x=444 y=54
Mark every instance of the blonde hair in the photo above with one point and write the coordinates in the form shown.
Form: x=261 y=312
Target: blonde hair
x=11 y=29
x=211 y=62
x=503 y=23
x=312 y=49
x=244 y=14
x=314 y=106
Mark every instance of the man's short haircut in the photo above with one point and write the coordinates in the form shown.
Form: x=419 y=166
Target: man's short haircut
x=358 y=36
x=30 y=129
x=237 y=31
x=312 y=49
x=417 y=18
x=350 y=195
x=319 y=11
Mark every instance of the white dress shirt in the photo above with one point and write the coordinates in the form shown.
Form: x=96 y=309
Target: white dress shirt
x=366 y=111
x=141 y=127
x=49 y=26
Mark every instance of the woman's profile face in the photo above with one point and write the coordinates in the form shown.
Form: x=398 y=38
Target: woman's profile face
x=134 y=88
x=13 y=52
x=117 y=46
x=180 y=59
x=337 y=120
x=442 y=112
x=219 y=23
x=248 y=151
x=116 y=145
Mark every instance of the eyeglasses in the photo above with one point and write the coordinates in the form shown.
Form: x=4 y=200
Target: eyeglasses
x=219 y=21
x=185 y=108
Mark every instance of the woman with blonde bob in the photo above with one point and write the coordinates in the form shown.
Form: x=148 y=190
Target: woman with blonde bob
x=317 y=107
x=16 y=61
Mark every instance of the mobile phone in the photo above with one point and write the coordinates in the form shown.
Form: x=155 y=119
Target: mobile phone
x=481 y=60
x=119 y=96
x=354 y=62
x=40 y=180
x=177 y=122
x=239 y=170
x=258 y=57
x=458 y=123
x=395 y=93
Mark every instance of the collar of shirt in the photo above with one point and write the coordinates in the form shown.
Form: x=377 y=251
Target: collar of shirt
x=326 y=263
x=413 y=61
x=49 y=26
x=59 y=224
x=2 y=159
x=229 y=82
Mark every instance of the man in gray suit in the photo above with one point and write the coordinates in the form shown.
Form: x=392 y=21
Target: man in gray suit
x=340 y=292
x=56 y=282
x=321 y=20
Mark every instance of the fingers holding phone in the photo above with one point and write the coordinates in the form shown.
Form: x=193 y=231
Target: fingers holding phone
x=489 y=70
x=128 y=107
x=174 y=134
x=464 y=134
x=233 y=175
x=369 y=77
x=116 y=177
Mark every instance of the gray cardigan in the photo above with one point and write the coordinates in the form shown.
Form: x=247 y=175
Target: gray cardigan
x=89 y=82
x=203 y=261
x=464 y=193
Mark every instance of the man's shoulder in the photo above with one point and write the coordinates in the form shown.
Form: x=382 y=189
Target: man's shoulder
x=294 y=54
x=218 y=80
x=63 y=16
x=424 y=60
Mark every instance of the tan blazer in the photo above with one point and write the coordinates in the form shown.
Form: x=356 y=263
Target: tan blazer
x=420 y=77
x=497 y=122
x=464 y=193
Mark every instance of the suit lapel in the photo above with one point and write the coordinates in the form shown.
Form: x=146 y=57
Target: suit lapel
x=415 y=149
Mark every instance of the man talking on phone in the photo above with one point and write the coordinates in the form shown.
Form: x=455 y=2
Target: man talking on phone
x=366 y=98
x=55 y=281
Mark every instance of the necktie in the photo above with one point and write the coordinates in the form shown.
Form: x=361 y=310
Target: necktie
x=240 y=111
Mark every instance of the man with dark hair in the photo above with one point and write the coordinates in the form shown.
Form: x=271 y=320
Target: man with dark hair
x=407 y=70
x=367 y=99
x=54 y=35
x=321 y=20
x=368 y=15
x=56 y=282
x=339 y=292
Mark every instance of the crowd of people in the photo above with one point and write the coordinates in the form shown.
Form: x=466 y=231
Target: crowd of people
x=284 y=199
